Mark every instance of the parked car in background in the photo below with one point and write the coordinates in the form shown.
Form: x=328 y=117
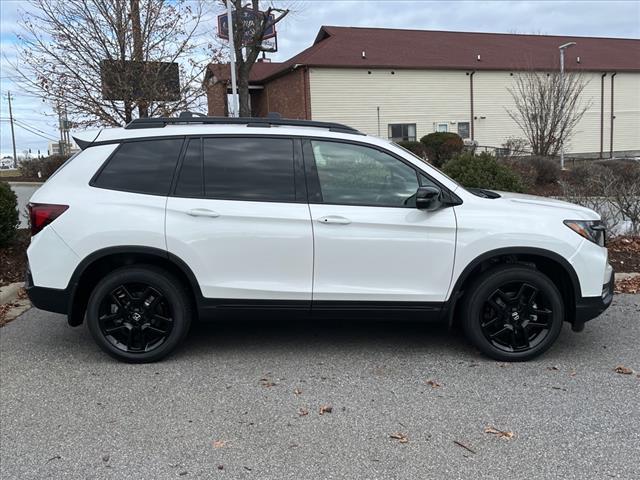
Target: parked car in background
x=172 y=220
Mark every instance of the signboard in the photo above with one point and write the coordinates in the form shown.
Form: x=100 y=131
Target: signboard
x=130 y=80
x=251 y=20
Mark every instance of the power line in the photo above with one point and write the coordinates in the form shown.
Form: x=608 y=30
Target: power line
x=51 y=139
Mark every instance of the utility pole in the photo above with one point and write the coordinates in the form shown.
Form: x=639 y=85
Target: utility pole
x=562 y=49
x=13 y=136
x=232 y=52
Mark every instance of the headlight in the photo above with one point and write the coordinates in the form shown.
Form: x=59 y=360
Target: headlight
x=592 y=230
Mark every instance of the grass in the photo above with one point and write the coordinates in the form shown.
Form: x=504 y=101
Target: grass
x=9 y=173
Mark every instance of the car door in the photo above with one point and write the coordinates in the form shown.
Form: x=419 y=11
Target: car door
x=371 y=243
x=238 y=217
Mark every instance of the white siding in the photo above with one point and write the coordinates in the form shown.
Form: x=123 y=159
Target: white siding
x=429 y=97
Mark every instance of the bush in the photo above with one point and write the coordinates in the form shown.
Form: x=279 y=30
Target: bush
x=547 y=170
x=516 y=146
x=483 y=171
x=417 y=148
x=9 y=220
x=442 y=146
x=45 y=165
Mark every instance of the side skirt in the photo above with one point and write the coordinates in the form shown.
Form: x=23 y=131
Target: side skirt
x=211 y=309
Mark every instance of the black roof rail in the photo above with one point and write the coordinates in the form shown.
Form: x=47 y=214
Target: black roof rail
x=271 y=120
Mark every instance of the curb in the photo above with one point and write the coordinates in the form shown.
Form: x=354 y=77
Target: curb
x=9 y=293
x=625 y=276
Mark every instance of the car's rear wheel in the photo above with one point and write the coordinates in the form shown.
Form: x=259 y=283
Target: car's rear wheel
x=139 y=314
x=513 y=313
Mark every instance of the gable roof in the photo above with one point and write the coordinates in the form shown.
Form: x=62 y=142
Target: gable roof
x=343 y=47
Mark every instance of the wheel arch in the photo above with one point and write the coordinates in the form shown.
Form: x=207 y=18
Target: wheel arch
x=556 y=267
x=95 y=266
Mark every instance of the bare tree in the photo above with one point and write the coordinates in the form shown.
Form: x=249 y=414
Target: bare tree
x=248 y=46
x=64 y=42
x=547 y=108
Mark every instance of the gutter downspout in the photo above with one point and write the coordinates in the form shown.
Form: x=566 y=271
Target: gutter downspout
x=602 y=114
x=471 y=101
x=612 y=116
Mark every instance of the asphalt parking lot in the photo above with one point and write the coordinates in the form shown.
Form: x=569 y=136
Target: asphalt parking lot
x=243 y=400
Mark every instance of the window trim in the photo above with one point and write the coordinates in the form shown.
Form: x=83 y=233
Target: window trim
x=313 y=180
x=300 y=188
x=415 y=129
x=94 y=178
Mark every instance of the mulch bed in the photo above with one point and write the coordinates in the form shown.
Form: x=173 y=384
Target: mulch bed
x=624 y=253
x=13 y=258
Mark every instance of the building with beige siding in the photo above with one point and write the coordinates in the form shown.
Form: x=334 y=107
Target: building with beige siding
x=404 y=84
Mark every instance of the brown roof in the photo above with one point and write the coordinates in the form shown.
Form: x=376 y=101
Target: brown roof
x=428 y=49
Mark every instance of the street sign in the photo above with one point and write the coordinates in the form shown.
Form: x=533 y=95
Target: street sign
x=251 y=19
x=131 y=80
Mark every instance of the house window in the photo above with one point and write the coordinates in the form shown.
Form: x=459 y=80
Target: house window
x=402 y=132
x=463 y=129
x=442 y=127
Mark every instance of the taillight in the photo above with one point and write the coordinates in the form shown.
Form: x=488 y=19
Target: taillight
x=42 y=214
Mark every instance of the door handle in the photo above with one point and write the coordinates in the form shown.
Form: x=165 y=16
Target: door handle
x=336 y=219
x=202 y=212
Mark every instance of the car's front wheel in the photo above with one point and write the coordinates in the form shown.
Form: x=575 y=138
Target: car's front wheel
x=139 y=314
x=513 y=313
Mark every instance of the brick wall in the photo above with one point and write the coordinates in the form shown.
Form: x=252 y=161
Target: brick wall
x=286 y=95
x=217 y=100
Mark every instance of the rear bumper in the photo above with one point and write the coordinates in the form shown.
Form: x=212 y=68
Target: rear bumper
x=49 y=299
x=588 y=308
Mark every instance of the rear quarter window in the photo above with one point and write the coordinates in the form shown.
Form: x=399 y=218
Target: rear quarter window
x=145 y=166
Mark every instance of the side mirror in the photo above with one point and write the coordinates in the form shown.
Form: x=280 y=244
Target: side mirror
x=428 y=198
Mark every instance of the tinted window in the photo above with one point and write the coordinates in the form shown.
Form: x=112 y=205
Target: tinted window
x=356 y=175
x=190 y=182
x=144 y=167
x=252 y=169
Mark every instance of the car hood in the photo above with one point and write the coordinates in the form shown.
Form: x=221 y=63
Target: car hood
x=578 y=212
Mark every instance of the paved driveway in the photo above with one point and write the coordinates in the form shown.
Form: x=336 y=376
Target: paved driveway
x=228 y=405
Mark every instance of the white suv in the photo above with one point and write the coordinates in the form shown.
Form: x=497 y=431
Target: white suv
x=169 y=220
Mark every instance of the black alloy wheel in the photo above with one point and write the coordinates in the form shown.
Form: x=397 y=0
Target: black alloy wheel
x=139 y=314
x=135 y=317
x=512 y=312
x=516 y=317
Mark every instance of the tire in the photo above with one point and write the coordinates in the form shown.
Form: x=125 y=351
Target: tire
x=139 y=314
x=512 y=313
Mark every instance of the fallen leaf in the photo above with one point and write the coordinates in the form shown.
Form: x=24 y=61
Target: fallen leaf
x=573 y=373
x=105 y=458
x=220 y=467
x=555 y=367
x=623 y=370
x=401 y=437
x=460 y=444
x=297 y=391
x=432 y=383
x=219 y=444
x=303 y=412
x=500 y=433
x=325 y=409
x=265 y=382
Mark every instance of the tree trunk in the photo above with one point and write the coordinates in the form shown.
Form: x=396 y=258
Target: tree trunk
x=243 y=91
x=138 y=56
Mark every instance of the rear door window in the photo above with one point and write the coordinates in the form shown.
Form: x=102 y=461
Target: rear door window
x=249 y=169
x=145 y=166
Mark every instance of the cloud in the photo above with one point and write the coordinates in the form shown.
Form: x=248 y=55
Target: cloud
x=298 y=30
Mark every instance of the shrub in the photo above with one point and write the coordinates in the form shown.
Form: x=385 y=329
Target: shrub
x=417 y=148
x=547 y=170
x=9 y=220
x=516 y=146
x=483 y=171
x=442 y=146
x=45 y=165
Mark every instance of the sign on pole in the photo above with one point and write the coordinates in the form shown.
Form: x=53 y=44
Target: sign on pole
x=251 y=20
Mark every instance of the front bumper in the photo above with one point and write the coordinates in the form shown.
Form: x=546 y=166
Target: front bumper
x=49 y=299
x=590 y=307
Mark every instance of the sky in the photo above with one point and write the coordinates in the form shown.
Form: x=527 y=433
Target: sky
x=298 y=30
